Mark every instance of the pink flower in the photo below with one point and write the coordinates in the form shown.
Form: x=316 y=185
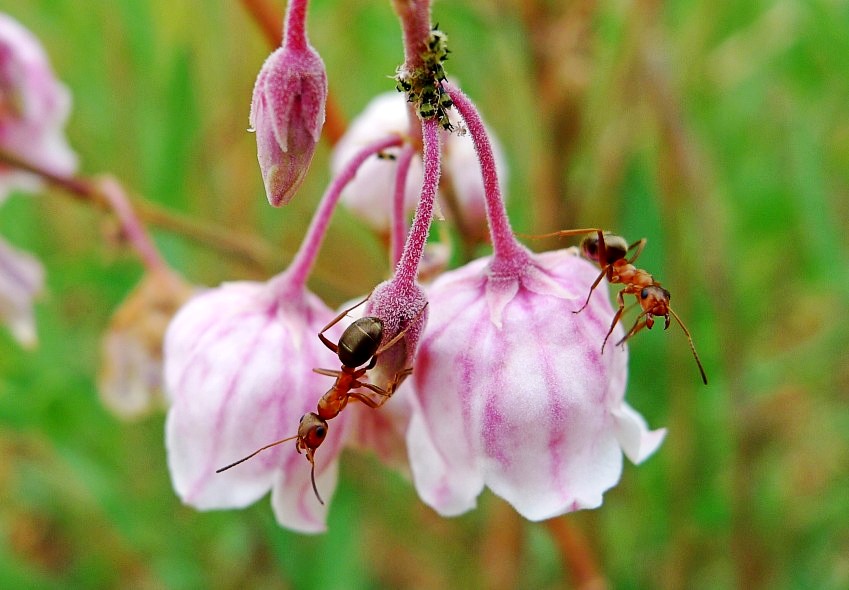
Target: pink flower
x=512 y=391
x=131 y=381
x=239 y=365
x=21 y=279
x=33 y=108
x=287 y=112
x=369 y=195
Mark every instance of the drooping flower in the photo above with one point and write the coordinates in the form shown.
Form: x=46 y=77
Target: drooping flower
x=131 y=379
x=514 y=393
x=239 y=361
x=21 y=280
x=239 y=364
x=288 y=109
x=368 y=196
x=512 y=390
x=34 y=107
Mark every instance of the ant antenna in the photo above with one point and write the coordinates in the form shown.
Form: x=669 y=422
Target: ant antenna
x=274 y=444
x=257 y=452
x=692 y=346
x=312 y=477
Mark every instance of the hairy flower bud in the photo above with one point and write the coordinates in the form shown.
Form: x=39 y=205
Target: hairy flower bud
x=21 y=279
x=239 y=365
x=33 y=108
x=513 y=392
x=401 y=307
x=287 y=114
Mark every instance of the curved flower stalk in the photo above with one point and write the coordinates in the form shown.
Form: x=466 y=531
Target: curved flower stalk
x=34 y=107
x=400 y=302
x=368 y=195
x=511 y=389
x=288 y=109
x=131 y=379
x=239 y=363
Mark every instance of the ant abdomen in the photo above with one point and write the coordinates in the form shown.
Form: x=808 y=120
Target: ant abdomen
x=360 y=341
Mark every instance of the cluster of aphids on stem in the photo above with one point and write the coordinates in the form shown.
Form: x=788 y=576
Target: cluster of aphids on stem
x=423 y=86
x=610 y=252
x=358 y=350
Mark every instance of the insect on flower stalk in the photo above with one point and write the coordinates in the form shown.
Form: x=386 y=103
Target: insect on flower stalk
x=511 y=391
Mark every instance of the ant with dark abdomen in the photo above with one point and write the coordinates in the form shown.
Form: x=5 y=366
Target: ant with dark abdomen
x=610 y=252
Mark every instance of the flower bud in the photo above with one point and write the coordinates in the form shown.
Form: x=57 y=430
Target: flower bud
x=130 y=382
x=401 y=307
x=239 y=365
x=513 y=392
x=287 y=114
x=21 y=279
x=33 y=108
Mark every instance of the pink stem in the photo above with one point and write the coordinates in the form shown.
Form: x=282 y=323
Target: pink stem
x=508 y=254
x=295 y=29
x=296 y=275
x=407 y=268
x=131 y=226
x=415 y=25
x=399 y=215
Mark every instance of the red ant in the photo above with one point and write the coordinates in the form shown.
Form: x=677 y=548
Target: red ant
x=609 y=251
x=359 y=345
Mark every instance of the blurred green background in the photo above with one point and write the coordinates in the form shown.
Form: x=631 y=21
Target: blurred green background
x=720 y=131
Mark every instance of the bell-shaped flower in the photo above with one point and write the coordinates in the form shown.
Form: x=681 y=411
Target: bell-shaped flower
x=21 y=279
x=131 y=379
x=239 y=365
x=287 y=114
x=513 y=392
x=34 y=107
x=369 y=194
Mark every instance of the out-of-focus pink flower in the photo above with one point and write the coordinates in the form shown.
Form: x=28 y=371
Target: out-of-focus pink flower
x=131 y=380
x=239 y=365
x=34 y=106
x=512 y=391
x=287 y=113
x=21 y=279
x=369 y=194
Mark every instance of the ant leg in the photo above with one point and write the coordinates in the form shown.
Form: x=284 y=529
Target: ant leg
x=333 y=347
x=639 y=245
x=562 y=233
x=361 y=397
x=621 y=301
x=638 y=325
x=328 y=372
x=393 y=386
x=592 y=288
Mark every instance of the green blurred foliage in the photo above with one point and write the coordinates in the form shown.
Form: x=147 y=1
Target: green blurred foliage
x=717 y=130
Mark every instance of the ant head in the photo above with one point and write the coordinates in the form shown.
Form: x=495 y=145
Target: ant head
x=654 y=300
x=311 y=433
